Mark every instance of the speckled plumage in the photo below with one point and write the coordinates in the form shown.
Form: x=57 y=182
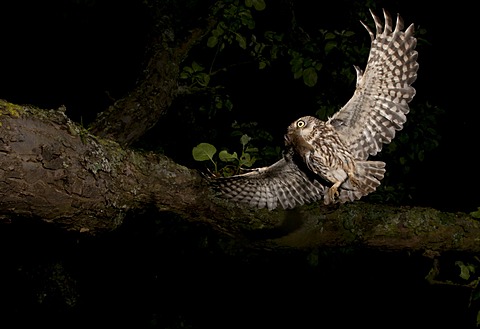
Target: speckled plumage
x=329 y=160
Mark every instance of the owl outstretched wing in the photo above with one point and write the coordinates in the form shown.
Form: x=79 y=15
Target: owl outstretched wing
x=282 y=184
x=379 y=105
x=370 y=119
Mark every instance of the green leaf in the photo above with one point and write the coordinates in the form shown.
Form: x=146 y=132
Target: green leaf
x=247 y=19
x=203 y=152
x=297 y=74
x=242 y=42
x=259 y=4
x=329 y=36
x=310 y=77
x=218 y=31
x=188 y=69
x=245 y=139
x=228 y=104
x=421 y=155
x=465 y=270
x=307 y=62
x=296 y=62
x=476 y=214
x=218 y=103
x=246 y=160
x=227 y=157
x=212 y=41
x=203 y=79
x=197 y=67
x=329 y=46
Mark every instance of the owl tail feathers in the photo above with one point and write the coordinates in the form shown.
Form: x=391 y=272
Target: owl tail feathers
x=367 y=177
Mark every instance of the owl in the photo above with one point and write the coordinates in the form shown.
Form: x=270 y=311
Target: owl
x=328 y=160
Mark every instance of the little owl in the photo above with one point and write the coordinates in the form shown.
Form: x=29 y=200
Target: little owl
x=329 y=160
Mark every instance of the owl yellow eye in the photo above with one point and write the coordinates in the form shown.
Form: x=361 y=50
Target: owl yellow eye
x=300 y=123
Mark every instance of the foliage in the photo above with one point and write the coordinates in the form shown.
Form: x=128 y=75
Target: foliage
x=476 y=214
x=459 y=273
x=196 y=74
x=471 y=279
x=235 y=27
x=233 y=163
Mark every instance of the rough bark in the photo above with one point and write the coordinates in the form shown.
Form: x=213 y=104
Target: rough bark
x=56 y=171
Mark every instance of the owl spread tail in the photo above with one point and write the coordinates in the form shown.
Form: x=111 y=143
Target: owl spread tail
x=367 y=177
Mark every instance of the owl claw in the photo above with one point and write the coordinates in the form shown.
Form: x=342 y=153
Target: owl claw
x=333 y=192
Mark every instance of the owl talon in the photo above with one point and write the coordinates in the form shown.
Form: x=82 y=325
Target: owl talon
x=333 y=192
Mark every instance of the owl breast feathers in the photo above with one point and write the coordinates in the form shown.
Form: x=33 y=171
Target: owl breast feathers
x=329 y=160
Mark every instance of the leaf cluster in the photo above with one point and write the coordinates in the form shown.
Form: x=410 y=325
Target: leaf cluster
x=232 y=162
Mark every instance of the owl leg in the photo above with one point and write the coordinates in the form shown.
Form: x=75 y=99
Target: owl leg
x=352 y=178
x=350 y=170
x=333 y=190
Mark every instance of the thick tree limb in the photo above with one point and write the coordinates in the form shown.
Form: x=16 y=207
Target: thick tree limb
x=130 y=117
x=56 y=171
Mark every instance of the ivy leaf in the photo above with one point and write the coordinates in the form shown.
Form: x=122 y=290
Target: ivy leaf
x=203 y=152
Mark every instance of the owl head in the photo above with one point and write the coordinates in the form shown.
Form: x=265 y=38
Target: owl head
x=302 y=127
x=299 y=133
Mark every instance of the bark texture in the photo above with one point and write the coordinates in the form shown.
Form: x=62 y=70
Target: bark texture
x=56 y=171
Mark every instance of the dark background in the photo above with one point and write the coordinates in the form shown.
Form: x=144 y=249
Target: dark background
x=162 y=274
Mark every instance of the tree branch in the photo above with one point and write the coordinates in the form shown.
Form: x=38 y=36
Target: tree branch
x=56 y=171
x=130 y=117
